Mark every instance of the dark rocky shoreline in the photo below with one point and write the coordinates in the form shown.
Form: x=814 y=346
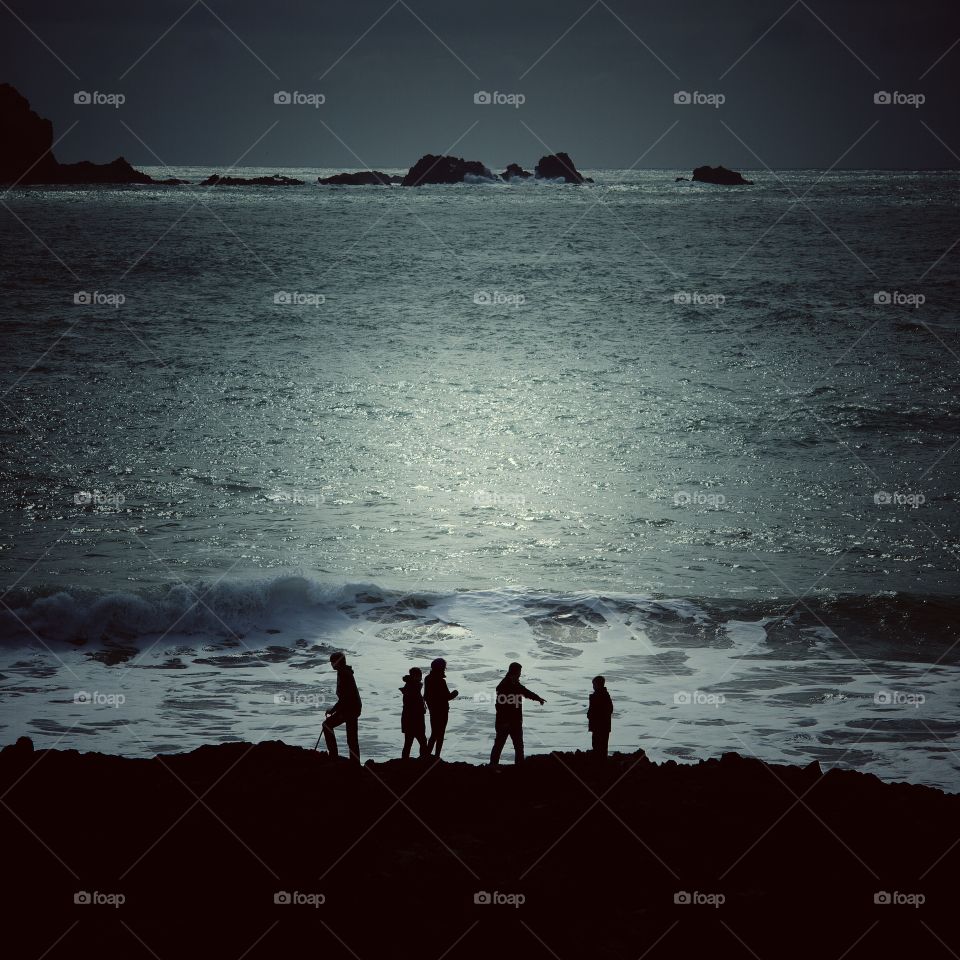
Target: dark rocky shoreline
x=201 y=845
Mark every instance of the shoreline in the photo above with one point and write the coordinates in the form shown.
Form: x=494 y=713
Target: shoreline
x=203 y=846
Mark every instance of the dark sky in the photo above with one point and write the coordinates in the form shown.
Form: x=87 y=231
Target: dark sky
x=399 y=80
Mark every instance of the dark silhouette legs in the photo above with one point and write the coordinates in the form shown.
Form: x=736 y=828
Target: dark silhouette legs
x=600 y=740
x=438 y=727
x=353 y=739
x=515 y=733
x=408 y=739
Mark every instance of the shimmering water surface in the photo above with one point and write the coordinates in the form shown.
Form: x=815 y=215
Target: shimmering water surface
x=658 y=430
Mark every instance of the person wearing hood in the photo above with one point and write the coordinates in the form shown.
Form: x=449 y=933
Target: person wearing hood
x=412 y=722
x=438 y=697
x=346 y=710
x=598 y=717
x=509 y=723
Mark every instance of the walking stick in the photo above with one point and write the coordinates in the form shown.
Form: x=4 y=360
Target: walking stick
x=321 y=733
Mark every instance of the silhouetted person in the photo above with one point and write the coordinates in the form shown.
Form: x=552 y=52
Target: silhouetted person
x=346 y=710
x=438 y=697
x=598 y=717
x=412 y=717
x=509 y=723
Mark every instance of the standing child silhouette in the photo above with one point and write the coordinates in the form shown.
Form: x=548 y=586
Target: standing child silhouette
x=412 y=722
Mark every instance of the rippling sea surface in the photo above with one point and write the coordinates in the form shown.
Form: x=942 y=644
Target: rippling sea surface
x=698 y=439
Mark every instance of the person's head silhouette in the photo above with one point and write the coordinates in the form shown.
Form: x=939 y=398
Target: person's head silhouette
x=514 y=670
x=599 y=683
x=338 y=660
x=439 y=665
x=415 y=674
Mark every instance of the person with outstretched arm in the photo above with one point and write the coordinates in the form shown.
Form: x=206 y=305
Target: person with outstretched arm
x=438 y=696
x=346 y=710
x=412 y=715
x=509 y=719
x=599 y=713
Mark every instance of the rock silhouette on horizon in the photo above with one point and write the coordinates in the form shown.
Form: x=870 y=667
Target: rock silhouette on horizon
x=364 y=178
x=434 y=169
x=276 y=180
x=720 y=175
x=515 y=171
x=559 y=166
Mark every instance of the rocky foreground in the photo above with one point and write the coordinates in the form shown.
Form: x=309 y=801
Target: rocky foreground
x=258 y=851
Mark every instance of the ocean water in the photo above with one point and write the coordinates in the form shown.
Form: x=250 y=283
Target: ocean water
x=700 y=440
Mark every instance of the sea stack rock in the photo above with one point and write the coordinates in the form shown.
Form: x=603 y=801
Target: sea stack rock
x=433 y=169
x=720 y=175
x=26 y=140
x=559 y=166
x=515 y=172
x=365 y=178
